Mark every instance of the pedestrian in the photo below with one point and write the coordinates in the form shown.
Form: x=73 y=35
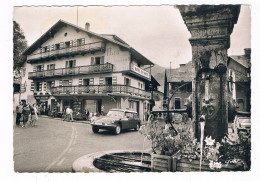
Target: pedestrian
x=26 y=114
x=19 y=111
x=87 y=114
x=34 y=116
x=68 y=114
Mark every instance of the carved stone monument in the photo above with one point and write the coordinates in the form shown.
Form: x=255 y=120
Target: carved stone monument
x=210 y=27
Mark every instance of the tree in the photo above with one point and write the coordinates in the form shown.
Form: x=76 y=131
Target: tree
x=19 y=45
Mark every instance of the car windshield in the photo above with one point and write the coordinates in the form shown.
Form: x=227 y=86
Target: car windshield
x=116 y=114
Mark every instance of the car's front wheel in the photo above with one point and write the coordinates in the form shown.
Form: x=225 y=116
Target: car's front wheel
x=137 y=127
x=95 y=129
x=118 y=129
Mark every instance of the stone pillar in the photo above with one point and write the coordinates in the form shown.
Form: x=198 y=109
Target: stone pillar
x=210 y=27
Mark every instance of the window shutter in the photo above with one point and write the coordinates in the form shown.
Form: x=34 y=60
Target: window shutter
x=44 y=86
x=52 y=66
x=61 y=45
x=34 y=68
x=32 y=86
x=52 y=47
x=22 y=88
x=91 y=81
x=70 y=82
x=75 y=43
x=42 y=67
x=60 y=83
x=48 y=48
x=40 y=86
x=67 y=64
x=83 y=41
x=52 y=83
x=74 y=63
x=102 y=60
x=80 y=81
x=48 y=67
x=71 y=43
x=101 y=80
x=92 y=61
x=114 y=80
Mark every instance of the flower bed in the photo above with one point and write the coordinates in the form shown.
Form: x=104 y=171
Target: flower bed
x=232 y=153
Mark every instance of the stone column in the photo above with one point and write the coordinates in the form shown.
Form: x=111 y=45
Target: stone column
x=210 y=27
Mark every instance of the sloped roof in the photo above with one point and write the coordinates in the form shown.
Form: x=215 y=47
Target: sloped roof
x=242 y=59
x=183 y=73
x=61 y=23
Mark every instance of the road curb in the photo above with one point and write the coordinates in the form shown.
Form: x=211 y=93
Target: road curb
x=61 y=119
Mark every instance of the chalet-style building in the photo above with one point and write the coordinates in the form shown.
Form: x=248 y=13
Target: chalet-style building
x=179 y=82
x=72 y=66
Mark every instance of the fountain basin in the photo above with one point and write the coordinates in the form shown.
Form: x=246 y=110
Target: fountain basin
x=114 y=161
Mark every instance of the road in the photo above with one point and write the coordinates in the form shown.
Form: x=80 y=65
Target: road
x=53 y=145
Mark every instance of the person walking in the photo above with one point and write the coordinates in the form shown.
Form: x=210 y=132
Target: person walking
x=68 y=114
x=34 y=116
x=26 y=114
x=19 y=111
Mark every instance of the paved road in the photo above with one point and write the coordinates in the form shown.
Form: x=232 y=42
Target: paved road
x=52 y=145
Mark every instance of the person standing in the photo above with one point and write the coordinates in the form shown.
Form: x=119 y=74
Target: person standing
x=26 y=114
x=19 y=111
x=34 y=116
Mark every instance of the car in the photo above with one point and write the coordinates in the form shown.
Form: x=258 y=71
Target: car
x=242 y=122
x=117 y=120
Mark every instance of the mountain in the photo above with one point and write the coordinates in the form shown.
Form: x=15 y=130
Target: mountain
x=158 y=73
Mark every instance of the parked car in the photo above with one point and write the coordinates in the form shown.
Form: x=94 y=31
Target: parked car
x=242 y=122
x=117 y=120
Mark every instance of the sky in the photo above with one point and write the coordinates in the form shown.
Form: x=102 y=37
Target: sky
x=157 y=32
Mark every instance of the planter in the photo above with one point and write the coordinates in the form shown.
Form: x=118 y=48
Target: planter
x=184 y=165
x=161 y=163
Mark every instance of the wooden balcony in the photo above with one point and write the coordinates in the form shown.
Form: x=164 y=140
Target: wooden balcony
x=81 y=70
x=70 y=51
x=100 y=89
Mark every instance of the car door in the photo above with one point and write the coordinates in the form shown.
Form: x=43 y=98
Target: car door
x=124 y=121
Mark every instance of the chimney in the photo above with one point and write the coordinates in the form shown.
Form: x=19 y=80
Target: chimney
x=87 y=25
x=182 y=66
x=247 y=52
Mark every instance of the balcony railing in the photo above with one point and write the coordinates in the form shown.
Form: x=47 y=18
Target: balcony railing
x=100 y=89
x=90 y=47
x=140 y=71
x=81 y=70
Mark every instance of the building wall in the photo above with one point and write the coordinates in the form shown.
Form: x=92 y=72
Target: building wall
x=119 y=57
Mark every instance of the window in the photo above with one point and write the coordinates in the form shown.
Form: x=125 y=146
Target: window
x=37 y=86
x=44 y=49
x=49 y=85
x=65 y=83
x=177 y=103
x=57 y=46
x=51 y=67
x=97 y=60
x=79 y=42
x=129 y=115
x=86 y=82
x=70 y=63
x=108 y=80
x=39 y=68
x=127 y=81
x=67 y=44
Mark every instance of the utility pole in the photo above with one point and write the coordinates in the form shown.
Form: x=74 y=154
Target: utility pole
x=77 y=14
